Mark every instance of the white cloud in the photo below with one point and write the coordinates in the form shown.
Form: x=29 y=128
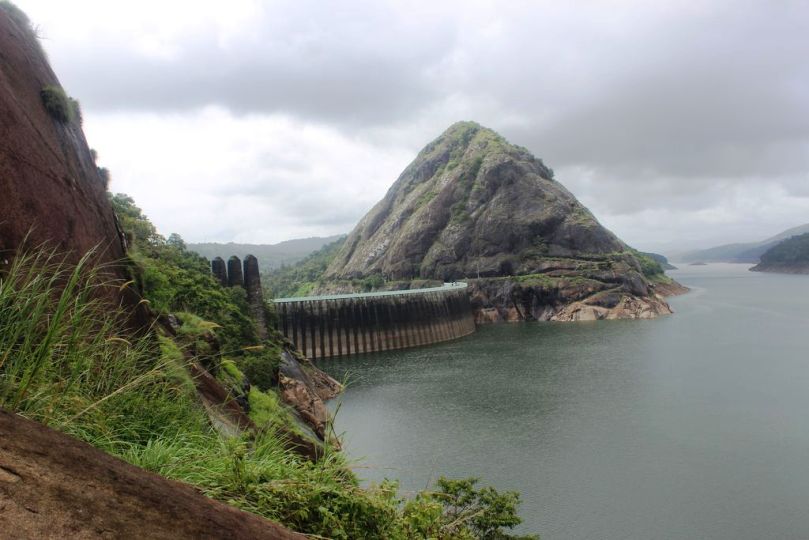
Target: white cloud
x=213 y=176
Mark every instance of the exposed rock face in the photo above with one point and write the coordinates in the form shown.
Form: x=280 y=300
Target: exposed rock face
x=306 y=389
x=55 y=486
x=471 y=205
x=219 y=271
x=255 y=296
x=50 y=187
x=497 y=300
x=235 y=276
x=49 y=181
x=471 y=202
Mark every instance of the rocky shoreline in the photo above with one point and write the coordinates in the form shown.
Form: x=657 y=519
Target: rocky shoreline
x=782 y=268
x=503 y=300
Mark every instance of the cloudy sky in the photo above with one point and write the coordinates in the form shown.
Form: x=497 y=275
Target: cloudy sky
x=680 y=124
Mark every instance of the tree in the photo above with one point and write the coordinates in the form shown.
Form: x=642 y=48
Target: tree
x=175 y=240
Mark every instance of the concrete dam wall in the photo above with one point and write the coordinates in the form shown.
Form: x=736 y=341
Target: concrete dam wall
x=339 y=325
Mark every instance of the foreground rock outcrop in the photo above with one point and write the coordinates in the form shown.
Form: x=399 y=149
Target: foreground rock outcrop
x=51 y=191
x=474 y=207
x=306 y=389
x=55 y=486
x=51 y=187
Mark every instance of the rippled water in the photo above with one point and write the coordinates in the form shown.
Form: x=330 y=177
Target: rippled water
x=689 y=426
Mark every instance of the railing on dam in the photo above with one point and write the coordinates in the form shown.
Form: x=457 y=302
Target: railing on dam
x=343 y=324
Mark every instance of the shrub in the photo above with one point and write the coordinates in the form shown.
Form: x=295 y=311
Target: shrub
x=260 y=365
x=59 y=105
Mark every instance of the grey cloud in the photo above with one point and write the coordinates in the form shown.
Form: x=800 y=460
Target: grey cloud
x=637 y=105
x=355 y=66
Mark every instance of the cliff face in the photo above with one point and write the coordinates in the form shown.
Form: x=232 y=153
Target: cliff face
x=49 y=184
x=471 y=205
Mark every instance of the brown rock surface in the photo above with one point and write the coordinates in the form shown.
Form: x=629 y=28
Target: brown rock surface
x=306 y=388
x=55 y=486
x=49 y=182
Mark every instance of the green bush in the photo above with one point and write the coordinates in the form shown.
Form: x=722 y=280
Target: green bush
x=648 y=265
x=260 y=365
x=59 y=105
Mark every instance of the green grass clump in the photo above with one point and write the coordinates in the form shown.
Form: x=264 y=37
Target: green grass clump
x=68 y=360
x=59 y=105
x=648 y=265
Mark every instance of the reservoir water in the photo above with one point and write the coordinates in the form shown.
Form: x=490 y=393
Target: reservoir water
x=689 y=426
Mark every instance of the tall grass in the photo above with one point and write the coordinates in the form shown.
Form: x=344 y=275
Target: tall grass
x=67 y=360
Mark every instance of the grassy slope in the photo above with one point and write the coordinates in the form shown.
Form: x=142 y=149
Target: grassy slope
x=67 y=360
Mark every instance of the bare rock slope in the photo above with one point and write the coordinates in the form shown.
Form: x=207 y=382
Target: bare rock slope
x=50 y=185
x=55 y=486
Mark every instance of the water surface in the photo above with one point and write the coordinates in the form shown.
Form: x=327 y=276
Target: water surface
x=689 y=426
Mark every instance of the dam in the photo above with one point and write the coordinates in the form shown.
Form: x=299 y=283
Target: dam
x=346 y=324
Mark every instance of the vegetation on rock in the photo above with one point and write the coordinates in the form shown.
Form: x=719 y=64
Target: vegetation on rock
x=59 y=105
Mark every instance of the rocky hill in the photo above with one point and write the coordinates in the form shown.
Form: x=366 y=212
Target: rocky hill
x=790 y=256
x=472 y=205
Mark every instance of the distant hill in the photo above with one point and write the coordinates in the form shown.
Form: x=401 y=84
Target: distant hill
x=269 y=255
x=790 y=256
x=661 y=260
x=750 y=252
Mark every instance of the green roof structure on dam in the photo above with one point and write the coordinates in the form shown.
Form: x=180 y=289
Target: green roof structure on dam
x=345 y=324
